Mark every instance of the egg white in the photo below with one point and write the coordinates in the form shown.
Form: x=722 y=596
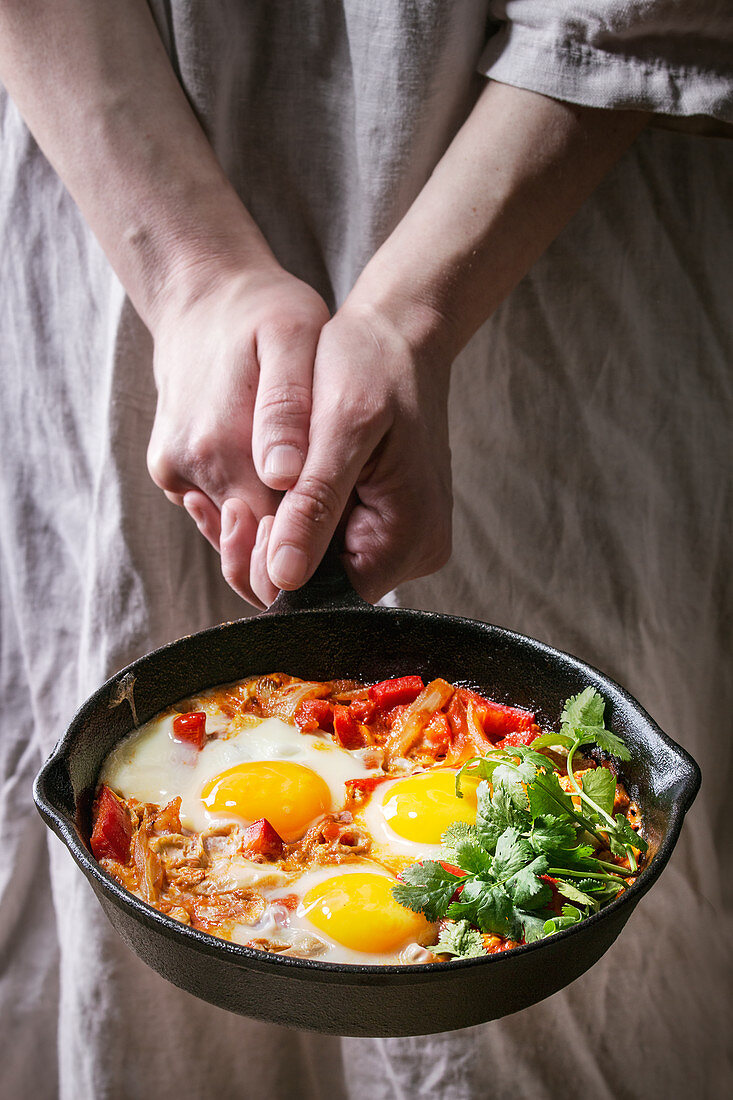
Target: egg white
x=152 y=766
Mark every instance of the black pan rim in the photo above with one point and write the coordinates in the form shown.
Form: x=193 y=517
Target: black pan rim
x=205 y=943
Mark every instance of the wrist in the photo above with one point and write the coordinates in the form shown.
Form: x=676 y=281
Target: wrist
x=201 y=241
x=408 y=307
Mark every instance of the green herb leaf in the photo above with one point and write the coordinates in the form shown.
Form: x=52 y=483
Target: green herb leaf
x=584 y=709
x=527 y=888
x=622 y=835
x=488 y=907
x=497 y=812
x=600 y=786
x=582 y=719
x=570 y=916
x=459 y=939
x=549 y=740
x=573 y=893
x=512 y=776
x=426 y=888
x=547 y=798
x=610 y=743
x=462 y=846
x=478 y=767
x=529 y=756
x=533 y=926
x=550 y=834
x=512 y=853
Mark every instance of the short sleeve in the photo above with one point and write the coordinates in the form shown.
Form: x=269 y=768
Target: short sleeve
x=671 y=57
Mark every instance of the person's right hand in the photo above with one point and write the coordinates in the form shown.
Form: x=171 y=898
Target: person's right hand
x=233 y=366
x=378 y=463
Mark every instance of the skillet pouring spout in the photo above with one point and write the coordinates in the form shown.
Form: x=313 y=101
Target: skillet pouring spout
x=326 y=631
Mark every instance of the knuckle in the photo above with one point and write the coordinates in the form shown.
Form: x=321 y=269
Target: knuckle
x=206 y=462
x=367 y=418
x=202 y=451
x=315 y=500
x=163 y=469
x=284 y=406
x=200 y=462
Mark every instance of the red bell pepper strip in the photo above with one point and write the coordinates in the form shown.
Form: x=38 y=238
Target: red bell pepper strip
x=499 y=720
x=391 y=693
x=191 y=728
x=112 y=832
x=347 y=731
x=260 y=839
x=519 y=737
x=314 y=714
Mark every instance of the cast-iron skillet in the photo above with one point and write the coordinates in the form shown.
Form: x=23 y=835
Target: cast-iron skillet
x=322 y=632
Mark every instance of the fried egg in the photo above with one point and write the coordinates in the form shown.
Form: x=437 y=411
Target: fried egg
x=408 y=816
x=351 y=911
x=267 y=768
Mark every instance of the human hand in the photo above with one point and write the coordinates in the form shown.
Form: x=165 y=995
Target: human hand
x=233 y=364
x=378 y=454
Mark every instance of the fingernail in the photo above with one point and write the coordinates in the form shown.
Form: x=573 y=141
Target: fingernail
x=289 y=566
x=228 y=521
x=196 y=514
x=283 y=461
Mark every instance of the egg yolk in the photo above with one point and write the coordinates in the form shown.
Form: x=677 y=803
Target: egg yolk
x=358 y=911
x=422 y=807
x=289 y=795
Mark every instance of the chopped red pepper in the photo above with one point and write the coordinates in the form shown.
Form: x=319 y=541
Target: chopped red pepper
x=315 y=714
x=499 y=720
x=363 y=710
x=191 y=728
x=496 y=945
x=349 y=733
x=113 y=828
x=260 y=839
x=358 y=790
x=391 y=693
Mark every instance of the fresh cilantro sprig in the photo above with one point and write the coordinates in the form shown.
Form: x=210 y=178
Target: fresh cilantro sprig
x=460 y=940
x=529 y=838
x=582 y=723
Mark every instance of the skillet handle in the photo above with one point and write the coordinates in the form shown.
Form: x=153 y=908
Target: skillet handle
x=329 y=589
